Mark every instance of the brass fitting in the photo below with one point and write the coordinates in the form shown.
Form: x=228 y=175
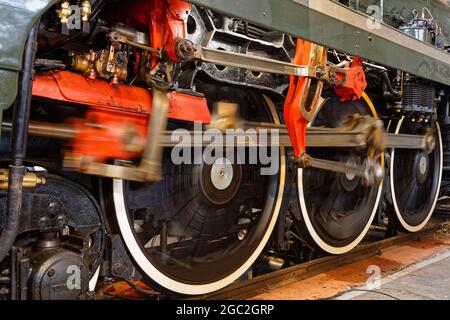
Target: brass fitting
x=86 y=10
x=109 y=65
x=83 y=63
x=303 y=161
x=30 y=180
x=64 y=12
x=225 y=116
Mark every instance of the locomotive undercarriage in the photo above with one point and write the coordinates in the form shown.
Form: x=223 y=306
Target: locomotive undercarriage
x=107 y=99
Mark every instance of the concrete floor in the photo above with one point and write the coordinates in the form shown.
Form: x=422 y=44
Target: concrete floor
x=426 y=280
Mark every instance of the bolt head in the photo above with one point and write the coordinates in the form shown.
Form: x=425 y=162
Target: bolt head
x=242 y=234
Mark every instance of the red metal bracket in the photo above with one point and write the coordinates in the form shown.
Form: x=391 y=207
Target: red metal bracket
x=302 y=99
x=354 y=83
x=303 y=95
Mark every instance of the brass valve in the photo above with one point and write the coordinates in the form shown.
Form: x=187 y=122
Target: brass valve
x=86 y=10
x=64 y=12
x=110 y=65
x=30 y=180
x=225 y=116
x=83 y=63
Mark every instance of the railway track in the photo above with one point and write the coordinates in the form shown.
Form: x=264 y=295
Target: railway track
x=284 y=277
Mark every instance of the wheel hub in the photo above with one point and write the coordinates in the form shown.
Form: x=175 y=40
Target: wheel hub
x=350 y=181
x=221 y=174
x=220 y=181
x=422 y=167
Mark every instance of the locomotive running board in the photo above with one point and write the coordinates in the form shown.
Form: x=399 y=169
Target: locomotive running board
x=347 y=31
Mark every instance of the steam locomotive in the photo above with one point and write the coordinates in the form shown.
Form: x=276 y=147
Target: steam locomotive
x=106 y=130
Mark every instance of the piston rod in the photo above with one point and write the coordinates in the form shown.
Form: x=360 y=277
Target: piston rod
x=315 y=136
x=359 y=136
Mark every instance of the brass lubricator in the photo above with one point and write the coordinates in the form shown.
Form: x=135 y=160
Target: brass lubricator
x=30 y=180
x=84 y=63
x=109 y=64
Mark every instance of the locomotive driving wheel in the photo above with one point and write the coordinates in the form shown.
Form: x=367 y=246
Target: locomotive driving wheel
x=415 y=177
x=203 y=225
x=336 y=209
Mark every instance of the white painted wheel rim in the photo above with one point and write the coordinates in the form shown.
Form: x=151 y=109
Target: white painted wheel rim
x=408 y=227
x=313 y=233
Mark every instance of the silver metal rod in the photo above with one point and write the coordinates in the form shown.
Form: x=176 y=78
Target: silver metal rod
x=315 y=137
x=254 y=63
x=405 y=141
x=339 y=167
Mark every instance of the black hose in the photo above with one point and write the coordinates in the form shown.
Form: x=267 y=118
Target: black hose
x=19 y=137
x=139 y=290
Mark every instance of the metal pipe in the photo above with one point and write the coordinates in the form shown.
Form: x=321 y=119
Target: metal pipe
x=315 y=136
x=46 y=129
x=152 y=156
x=21 y=118
x=13 y=275
x=394 y=93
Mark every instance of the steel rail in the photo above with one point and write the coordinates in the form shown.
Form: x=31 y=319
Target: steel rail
x=250 y=288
